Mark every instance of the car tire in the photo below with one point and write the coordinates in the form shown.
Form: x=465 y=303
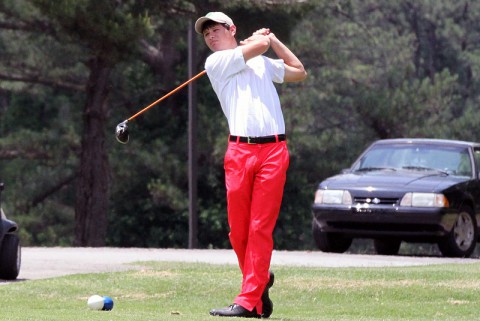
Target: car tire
x=10 y=257
x=462 y=239
x=386 y=246
x=330 y=242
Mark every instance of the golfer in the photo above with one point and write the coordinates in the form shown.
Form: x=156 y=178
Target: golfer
x=257 y=158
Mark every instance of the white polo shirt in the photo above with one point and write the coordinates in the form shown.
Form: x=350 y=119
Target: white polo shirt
x=246 y=91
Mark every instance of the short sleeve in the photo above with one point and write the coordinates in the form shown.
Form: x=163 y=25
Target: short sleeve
x=277 y=69
x=223 y=64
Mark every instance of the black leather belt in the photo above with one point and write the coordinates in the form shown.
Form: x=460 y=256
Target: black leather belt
x=258 y=140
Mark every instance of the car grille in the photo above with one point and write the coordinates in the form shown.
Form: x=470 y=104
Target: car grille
x=375 y=200
x=386 y=227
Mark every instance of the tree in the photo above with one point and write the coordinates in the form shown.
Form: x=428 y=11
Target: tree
x=377 y=69
x=106 y=30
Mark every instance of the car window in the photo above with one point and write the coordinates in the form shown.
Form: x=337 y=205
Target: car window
x=477 y=158
x=450 y=159
x=465 y=165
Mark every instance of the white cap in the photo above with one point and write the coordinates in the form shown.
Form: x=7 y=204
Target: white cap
x=219 y=17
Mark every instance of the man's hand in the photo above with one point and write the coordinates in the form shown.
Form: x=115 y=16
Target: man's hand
x=258 y=35
x=294 y=70
x=263 y=32
x=254 y=45
x=262 y=39
x=255 y=37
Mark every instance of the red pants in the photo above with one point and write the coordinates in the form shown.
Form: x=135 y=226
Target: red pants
x=255 y=177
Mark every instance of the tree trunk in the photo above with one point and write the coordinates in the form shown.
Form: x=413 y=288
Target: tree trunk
x=93 y=183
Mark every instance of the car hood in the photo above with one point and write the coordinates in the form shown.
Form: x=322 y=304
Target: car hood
x=396 y=180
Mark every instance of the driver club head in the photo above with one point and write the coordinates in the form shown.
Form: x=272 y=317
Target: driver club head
x=121 y=132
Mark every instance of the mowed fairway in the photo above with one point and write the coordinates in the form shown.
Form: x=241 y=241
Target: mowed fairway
x=186 y=291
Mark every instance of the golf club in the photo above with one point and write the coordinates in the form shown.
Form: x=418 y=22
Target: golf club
x=121 y=131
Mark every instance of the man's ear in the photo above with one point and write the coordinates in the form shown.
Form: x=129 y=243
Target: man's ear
x=233 y=30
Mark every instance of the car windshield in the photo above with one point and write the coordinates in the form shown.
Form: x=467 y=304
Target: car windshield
x=450 y=160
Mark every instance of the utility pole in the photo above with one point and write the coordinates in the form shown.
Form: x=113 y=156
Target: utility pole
x=192 y=141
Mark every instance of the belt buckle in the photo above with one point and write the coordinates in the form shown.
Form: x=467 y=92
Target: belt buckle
x=250 y=142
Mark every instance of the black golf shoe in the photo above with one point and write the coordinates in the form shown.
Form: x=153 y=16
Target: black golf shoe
x=267 y=303
x=235 y=310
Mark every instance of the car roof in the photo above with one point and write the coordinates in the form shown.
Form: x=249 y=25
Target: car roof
x=427 y=141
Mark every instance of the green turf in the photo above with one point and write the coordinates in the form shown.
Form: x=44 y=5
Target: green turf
x=183 y=291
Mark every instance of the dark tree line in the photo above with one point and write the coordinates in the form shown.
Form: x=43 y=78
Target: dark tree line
x=71 y=70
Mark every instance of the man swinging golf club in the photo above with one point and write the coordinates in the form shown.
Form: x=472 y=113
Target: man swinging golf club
x=257 y=158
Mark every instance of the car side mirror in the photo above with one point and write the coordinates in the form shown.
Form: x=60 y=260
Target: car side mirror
x=346 y=170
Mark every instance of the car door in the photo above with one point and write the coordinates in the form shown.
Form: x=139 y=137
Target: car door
x=475 y=183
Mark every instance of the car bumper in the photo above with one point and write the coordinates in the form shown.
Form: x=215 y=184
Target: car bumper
x=378 y=221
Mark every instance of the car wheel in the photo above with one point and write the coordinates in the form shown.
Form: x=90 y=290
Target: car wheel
x=386 y=246
x=330 y=242
x=10 y=257
x=461 y=240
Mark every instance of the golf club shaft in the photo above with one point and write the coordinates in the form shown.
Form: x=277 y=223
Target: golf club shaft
x=167 y=95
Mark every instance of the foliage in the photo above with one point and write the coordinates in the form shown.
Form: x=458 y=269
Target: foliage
x=377 y=69
x=107 y=28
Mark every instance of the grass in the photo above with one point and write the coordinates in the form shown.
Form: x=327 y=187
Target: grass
x=184 y=291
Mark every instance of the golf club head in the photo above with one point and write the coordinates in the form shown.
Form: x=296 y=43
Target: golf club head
x=121 y=132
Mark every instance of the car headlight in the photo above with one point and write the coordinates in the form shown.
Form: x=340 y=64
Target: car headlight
x=327 y=196
x=424 y=200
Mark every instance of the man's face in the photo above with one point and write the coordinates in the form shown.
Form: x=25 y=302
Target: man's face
x=217 y=37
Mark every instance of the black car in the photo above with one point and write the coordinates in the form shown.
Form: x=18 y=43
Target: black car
x=10 y=250
x=412 y=190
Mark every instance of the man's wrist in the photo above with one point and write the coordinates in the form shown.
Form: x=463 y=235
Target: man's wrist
x=273 y=39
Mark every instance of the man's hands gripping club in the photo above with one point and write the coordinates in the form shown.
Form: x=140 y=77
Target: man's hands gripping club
x=264 y=39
